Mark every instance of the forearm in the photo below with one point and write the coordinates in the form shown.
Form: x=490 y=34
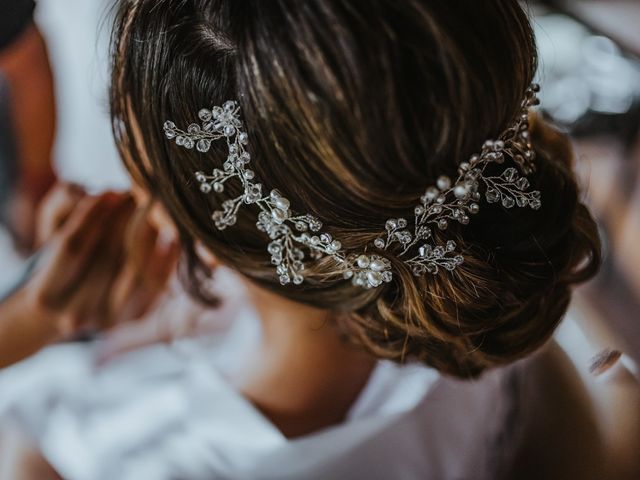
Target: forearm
x=25 y=70
x=23 y=329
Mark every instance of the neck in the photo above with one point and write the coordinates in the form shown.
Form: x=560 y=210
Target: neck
x=304 y=376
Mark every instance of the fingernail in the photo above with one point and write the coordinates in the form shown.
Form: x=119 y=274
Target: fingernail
x=166 y=239
x=205 y=255
x=603 y=361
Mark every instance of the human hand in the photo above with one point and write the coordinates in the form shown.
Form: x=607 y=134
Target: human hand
x=79 y=263
x=152 y=253
x=101 y=263
x=104 y=262
x=68 y=291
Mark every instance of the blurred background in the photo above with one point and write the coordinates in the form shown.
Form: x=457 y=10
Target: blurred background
x=590 y=74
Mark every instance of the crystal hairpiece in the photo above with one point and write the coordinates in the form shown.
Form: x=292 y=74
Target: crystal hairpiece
x=291 y=233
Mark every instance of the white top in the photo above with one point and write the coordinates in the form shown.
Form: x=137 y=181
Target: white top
x=169 y=412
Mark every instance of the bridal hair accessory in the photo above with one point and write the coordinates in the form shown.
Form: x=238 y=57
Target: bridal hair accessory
x=291 y=233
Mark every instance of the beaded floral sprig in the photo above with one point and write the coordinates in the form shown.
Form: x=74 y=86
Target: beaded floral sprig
x=457 y=200
x=291 y=234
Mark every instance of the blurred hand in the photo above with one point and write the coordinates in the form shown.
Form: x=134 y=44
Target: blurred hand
x=151 y=259
x=80 y=264
x=103 y=262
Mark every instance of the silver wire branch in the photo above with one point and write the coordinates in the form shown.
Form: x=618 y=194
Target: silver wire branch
x=291 y=235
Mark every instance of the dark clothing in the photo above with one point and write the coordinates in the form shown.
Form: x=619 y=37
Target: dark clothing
x=15 y=16
x=8 y=165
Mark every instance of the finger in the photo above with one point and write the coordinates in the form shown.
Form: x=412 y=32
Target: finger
x=124 y=288
x=140 y=239
x=140 y=289
x=78 y=245
x=55 y=208
x=99 y=280
x=62 y=261
x=164 y=263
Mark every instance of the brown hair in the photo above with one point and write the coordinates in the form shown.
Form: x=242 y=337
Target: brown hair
x=353 y=108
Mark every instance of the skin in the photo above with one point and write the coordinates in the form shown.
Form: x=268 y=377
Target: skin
x=101 y=266
x=25 y=64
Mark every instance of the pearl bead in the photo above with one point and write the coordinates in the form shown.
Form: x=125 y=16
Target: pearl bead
x=279 y=215
x=376 y=265
x=374 y=278
x=460 y=191
x=431 y=193
x=282 y=203
x=363 y=261
x=444 y=182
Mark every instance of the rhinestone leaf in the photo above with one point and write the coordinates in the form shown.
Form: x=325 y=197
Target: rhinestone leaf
x=203 y=146
x=492 y=195
x=508 y=202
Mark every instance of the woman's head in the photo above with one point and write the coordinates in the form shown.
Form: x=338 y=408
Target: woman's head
x=353 y=108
